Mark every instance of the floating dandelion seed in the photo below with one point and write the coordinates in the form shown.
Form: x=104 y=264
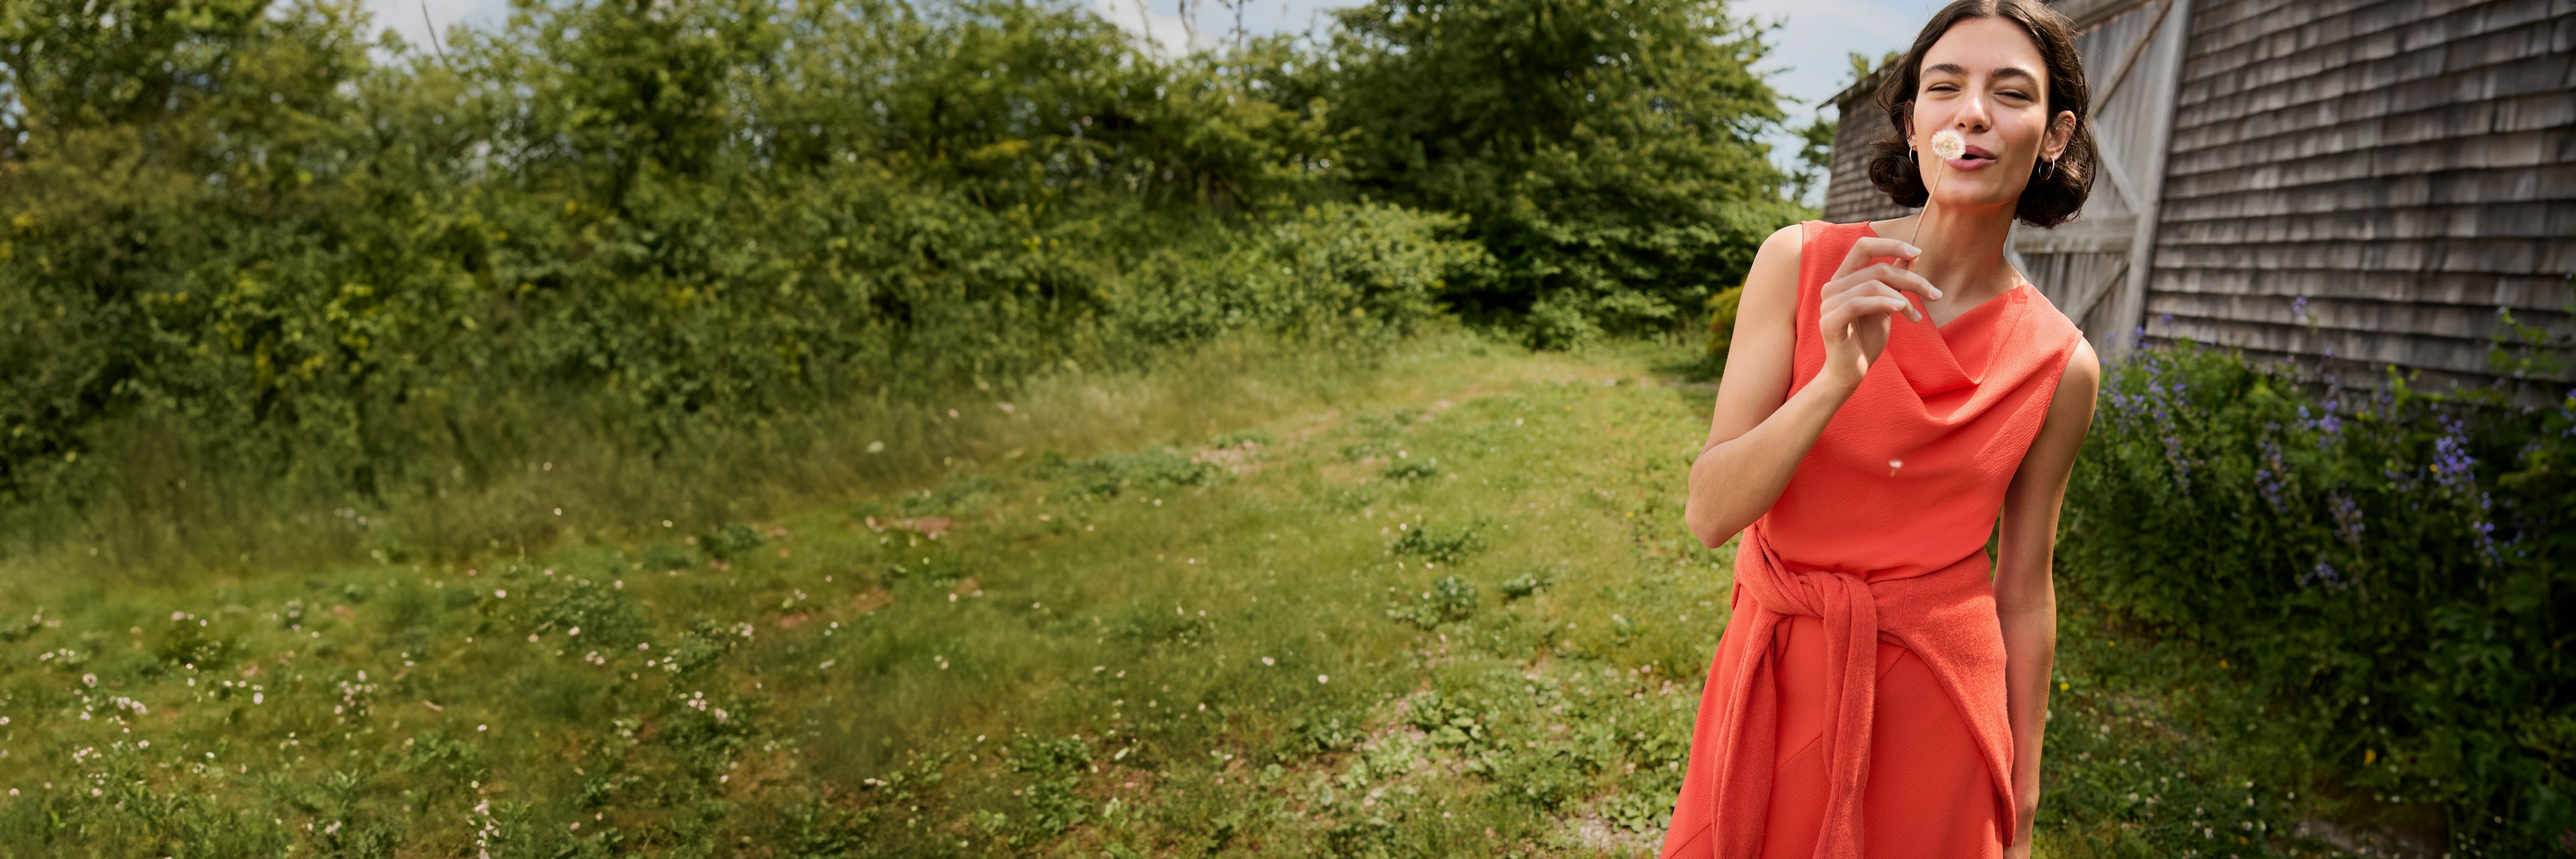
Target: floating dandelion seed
x=1893 y=465
x=1319 y=678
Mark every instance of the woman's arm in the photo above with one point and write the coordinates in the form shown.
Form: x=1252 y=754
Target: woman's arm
x=1759 y=433
x=2025 y=591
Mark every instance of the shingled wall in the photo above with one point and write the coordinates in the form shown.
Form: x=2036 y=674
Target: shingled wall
x=2406 y=167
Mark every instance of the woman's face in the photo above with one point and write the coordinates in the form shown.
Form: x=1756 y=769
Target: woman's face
x=1985 y=79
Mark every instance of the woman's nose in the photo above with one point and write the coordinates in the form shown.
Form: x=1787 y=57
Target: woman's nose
x=1971 y=115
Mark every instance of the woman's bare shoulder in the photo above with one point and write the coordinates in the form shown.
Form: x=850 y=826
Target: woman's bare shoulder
x=1776 y=263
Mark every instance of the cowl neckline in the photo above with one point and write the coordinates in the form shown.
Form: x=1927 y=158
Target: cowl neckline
x=1940 y=359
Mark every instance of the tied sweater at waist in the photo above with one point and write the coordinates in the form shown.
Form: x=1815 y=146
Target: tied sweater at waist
x=1946 y=617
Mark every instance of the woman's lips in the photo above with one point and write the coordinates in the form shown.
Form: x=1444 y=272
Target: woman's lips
x=1975 y=157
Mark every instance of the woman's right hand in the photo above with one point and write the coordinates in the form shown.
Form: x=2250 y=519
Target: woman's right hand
x=1855 y=305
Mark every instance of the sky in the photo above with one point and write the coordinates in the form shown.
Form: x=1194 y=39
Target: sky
x=1808 y=61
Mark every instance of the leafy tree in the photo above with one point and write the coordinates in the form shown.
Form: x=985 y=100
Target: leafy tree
x=1605 y=151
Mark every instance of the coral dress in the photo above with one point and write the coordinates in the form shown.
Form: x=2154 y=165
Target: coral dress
x=1856 y=704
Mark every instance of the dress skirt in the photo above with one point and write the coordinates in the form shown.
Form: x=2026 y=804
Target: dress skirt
x=1929 y=792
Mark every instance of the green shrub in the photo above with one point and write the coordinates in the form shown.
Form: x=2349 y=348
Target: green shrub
x=1607 y=155
x=2391 y=569
x=1721 y=323
x=245 y=253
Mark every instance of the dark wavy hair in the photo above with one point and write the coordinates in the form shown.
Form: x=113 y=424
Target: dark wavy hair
x=2046 y=202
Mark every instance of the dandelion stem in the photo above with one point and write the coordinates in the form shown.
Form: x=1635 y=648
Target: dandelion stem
x=1926 y=214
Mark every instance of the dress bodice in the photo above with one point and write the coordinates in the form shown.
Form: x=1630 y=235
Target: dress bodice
x=1910 y=473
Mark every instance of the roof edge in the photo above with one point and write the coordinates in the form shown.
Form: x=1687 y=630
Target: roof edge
x=2084 y=14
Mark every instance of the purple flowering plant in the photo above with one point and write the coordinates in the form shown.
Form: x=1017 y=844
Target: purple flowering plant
x=2392 y=568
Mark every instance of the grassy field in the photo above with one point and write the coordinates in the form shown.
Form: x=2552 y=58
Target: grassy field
x=1439 y=606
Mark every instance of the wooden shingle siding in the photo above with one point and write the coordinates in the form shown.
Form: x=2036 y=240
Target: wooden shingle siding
x=2477 y=291
x=1849 y=196
x=2407 y=167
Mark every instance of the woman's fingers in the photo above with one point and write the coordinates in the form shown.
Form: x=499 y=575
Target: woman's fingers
x=1875 y=247
x=1890 y=275
x=1875 y=290
x=1846 y=309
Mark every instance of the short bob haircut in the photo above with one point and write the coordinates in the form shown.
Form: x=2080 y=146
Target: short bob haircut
x=2046 y=202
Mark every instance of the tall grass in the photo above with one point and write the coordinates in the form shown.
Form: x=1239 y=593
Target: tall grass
x=532 y=477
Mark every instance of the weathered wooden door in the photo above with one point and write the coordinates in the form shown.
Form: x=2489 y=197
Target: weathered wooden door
x=2095 y=267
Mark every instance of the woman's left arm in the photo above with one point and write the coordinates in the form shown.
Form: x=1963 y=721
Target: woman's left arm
x=2025 y=594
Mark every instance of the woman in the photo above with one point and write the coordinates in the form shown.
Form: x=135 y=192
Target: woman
x=1881 y=686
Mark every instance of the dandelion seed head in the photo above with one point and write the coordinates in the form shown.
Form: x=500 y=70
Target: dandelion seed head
x=1949 y=144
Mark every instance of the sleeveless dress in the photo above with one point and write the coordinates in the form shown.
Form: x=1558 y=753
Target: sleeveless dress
x=1856 y=704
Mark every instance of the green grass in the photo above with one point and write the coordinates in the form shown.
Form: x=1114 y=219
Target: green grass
x=1442 y=605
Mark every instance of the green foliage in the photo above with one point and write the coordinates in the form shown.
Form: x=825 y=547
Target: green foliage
x=1437 y=545
x=2390 y=569
x=1245 y=438
x=263 y=266
x=1114 y=474
x=1721 y=323
x=1815 y=155
x=243 y=253
x=1407 y=468
x=1605 y=153
x=730 y=542
x=1527 y=584
x=1051 y=802
x=1449 y=600
x=663 y=557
